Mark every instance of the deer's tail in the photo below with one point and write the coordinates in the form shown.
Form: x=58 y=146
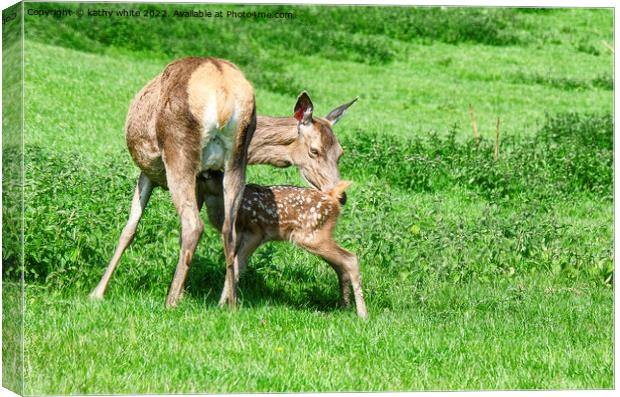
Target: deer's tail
x=337 y=192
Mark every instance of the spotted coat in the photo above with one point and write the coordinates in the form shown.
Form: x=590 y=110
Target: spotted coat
x=277 y=212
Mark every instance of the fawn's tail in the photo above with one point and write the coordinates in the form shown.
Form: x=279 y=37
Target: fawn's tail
x=337 y=192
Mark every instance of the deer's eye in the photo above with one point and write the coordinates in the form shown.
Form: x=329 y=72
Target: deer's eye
x=314 y=152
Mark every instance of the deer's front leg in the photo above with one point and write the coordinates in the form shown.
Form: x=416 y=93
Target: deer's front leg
x=141 y=198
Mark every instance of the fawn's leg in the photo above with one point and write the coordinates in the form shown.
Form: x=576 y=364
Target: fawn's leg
x=344 y=280
x=247 y=245
x=182 y=185
x=356 y=281
x=348 y=264
x=141 y=197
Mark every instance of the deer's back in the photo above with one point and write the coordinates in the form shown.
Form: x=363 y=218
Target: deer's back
x=194 y=102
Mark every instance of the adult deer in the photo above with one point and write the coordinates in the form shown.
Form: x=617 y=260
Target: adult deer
x=198 y=114
x=171 y=114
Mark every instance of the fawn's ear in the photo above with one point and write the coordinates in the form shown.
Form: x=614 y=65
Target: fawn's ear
x=337 y=193
x=337 y=113
x=304 y=108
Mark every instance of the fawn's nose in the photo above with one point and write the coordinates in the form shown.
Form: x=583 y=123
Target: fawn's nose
x=343 y=198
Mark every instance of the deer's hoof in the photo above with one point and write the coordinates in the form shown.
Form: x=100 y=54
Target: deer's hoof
x=96 y=296
x=171 y=303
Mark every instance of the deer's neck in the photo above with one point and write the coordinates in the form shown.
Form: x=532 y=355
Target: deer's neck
x=274 y=141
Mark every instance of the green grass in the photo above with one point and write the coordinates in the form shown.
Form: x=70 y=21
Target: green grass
x=504 y=336
x=440 y=62
x=478 y=274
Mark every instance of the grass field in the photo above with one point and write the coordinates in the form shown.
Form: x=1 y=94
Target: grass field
x=478 y=274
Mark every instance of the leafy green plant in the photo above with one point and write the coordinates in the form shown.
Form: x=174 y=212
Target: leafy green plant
x=571 y=154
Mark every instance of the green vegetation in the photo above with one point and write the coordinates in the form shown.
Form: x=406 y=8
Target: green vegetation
x=423 y=65
x=12 y=198
x=478 y=274
x=505 y=336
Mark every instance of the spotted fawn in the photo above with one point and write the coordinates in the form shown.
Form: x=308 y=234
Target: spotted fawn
x=304 y=216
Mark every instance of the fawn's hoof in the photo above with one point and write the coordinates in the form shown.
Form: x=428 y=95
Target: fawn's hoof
x=96 y=296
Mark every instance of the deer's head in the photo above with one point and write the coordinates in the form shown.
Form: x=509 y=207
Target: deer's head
x=317 y=151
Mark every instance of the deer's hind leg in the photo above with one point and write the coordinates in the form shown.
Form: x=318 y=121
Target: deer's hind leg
x=234 y=186
x=181 y=176
x=247 y=244
x=141 y=197
x=344 y=280
x=346 y=265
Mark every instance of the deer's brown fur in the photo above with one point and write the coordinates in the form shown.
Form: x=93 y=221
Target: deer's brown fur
x=175 y=101
x=312 y=146
x=278 y=141
x=303 y=216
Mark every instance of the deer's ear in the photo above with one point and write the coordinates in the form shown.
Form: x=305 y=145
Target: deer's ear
x=337 y=113
x=304 y=108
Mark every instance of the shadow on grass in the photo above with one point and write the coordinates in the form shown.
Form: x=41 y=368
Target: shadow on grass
x=256 y=288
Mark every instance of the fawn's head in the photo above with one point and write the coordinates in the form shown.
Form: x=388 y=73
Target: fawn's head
x=317 y=151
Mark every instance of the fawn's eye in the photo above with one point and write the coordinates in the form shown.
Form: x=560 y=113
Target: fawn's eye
x=314 y=152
